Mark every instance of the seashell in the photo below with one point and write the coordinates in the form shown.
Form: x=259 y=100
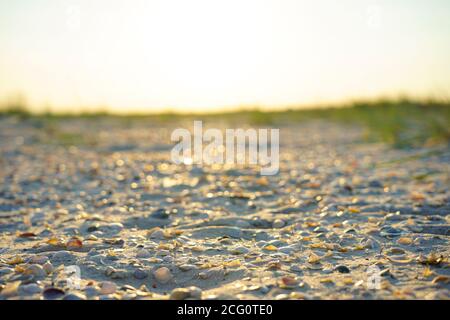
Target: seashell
x=405 y=241
x=10 y=289
x=36 y=270
x=140 y=274
x=74 y=296
x=107 y=287
x=186 y=293
x=39 y=259
x=31 y=288
x=239 y=250
x=53 y=293
x=143 y=253
x=278 y=223
x=391 y=232
x=187 y=267
x=163 y=275
x=342 y=269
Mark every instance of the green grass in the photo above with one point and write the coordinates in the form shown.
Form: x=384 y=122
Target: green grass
x=402 y=123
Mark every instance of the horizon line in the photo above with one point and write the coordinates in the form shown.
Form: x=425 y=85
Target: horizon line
x=18 y=107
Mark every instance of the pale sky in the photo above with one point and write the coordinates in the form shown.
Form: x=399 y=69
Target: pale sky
x=140 y=55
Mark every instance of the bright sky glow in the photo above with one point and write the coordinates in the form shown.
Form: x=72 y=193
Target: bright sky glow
x=144 y=55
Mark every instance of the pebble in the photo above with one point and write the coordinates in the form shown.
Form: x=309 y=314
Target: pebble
x=168 y=259
x=111 y=228
x=320 y=230
x=375 y=184
x=119 y=274
x=48 y=267
x=261 y=244
x=369 y=244
x=350 y=222
x=395 y=251
x=31 y=288
x=143 y=253
x=187 y=267
x=262 y=235
x=157 y=234
x=163 y=275
x=243 y=224
x=286 y=249
x=10 y=289
x=110 y=270
x=5 y=271
x=91 y=291
x=140 y=274
x=183 y=239
x=37 y=270
x=163 y=253
x=129 y=296
x=93 y=227
x=39 y=259
x=91 y=237
x=37 y=218
x=277 y=243
x=107 y=287
x=278 y=223
x=186 y=293
x=390 y=232
x=239 y=250
x=296 y=268
x=52 y=293
x=160 y=214
x=394 y=217
x=74 y=296
x=225 y=241
x=342 y=269
x=63 y=256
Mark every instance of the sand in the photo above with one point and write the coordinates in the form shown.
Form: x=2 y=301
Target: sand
x=343 y=219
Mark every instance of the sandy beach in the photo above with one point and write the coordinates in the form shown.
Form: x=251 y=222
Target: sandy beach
x=343 y=218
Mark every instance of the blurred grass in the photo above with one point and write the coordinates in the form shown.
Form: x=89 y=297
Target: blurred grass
x=402 y=122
